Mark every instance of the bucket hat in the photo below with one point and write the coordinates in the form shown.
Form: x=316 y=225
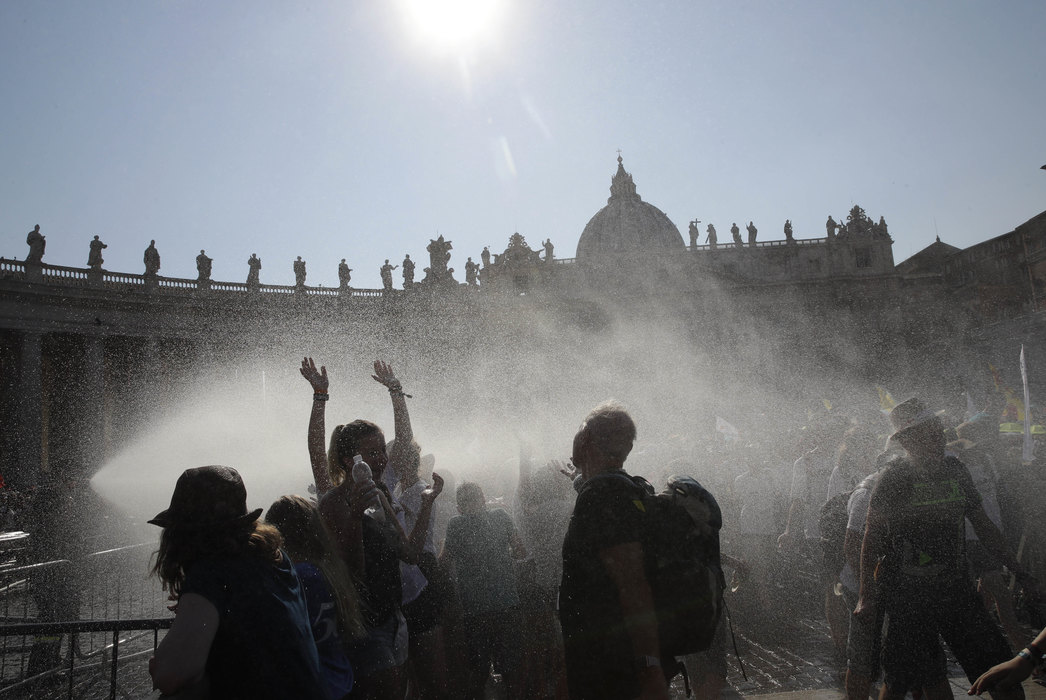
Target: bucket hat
x=207 y=497
x=910 y=414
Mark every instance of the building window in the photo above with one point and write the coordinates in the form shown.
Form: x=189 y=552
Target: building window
x=863 y=257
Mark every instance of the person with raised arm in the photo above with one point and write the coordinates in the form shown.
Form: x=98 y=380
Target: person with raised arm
x=363 y=517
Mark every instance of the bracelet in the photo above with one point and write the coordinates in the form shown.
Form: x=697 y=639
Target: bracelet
x=1024 y=654
x=319 y=391
x=321 y=397
x=398 y=391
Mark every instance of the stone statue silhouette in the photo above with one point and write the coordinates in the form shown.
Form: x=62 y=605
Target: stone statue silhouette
x=788 y=231
x=299 y=272
x=549 y=248
x=386 y=275
x=253 y=270
x=94 y=257
x=471 y=276
x=736 y=233
x=752 y=232
x=408 y=272
x=712 y=238
x=485 y=256
x=37 y=243
x=151 y=259
x=831 y=227
x=439 y=256
x=345 y=274
x=695 y=233
x=203 y=267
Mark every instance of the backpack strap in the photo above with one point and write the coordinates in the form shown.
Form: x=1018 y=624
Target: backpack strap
x=619 y=475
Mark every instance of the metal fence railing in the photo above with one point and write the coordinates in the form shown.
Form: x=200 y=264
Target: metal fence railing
x=66 y=620
x=84 y=673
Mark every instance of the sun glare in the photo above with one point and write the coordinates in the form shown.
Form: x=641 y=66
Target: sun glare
x=454 y=24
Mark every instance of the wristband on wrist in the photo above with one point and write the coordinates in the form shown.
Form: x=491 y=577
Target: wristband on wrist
x=1026 y=655
x=319 y=391
x=321 y=397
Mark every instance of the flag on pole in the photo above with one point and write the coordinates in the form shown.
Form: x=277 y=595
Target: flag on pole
x=728 y=431
x=1028 y=450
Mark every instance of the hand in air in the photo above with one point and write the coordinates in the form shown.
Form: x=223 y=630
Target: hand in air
x=316 y=377
x=384 y=375
x=567 y=468
x=431 y=493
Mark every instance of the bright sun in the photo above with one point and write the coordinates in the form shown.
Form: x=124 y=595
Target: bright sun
x=454 y=24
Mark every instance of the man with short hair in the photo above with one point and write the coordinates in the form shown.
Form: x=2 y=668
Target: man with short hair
x=915 y=524
x=606 y=604
x=480 y=547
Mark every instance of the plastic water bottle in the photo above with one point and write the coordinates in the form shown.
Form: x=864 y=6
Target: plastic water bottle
x=362 y=474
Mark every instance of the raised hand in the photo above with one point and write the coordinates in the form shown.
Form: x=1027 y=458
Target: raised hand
x=384 y=375
x=431 y=493
x=316 y=377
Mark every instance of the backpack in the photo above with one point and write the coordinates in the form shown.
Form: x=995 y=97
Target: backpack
x=680 y=541
x=832 y=524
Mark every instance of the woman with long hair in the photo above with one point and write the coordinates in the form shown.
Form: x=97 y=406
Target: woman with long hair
x=241 y=626
x=330 y=593
x=364 y=519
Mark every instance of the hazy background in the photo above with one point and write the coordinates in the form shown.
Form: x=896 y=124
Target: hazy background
x=342 y=129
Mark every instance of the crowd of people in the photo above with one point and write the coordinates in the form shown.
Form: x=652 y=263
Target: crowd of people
x=909 y=531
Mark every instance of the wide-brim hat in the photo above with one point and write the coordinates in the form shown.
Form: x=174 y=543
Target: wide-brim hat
x=908 y=415
x=204 y=497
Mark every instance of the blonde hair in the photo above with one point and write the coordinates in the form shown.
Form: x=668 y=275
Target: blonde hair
x=307 y=539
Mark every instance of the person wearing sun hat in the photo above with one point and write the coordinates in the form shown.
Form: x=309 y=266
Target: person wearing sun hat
x=241 y=626
x=915 y=550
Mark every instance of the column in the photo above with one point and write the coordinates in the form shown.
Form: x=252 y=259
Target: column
x=30 y=412
x=94 y=405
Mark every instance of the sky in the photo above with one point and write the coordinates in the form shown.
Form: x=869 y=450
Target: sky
x=361 y=129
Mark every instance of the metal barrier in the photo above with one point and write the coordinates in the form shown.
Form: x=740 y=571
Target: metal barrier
x=94 y=600
x=81 y=671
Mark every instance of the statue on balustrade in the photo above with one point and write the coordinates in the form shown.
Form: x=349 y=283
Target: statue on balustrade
x=408 y=273
x=831 y=227
x=36 y=242
x=695 y=233
x=788 y=231
x=253 y=271
x=752 y=231
x=203 y=267
x=94 y=257
x=549 y=248
x=471 y=273
x=152 y=260
x=736 y=233
x=485 y=256
x=299 y=272
x=439 y=256
x=345 y=274
x=386 y=275
x=712 y=239
x=880 y=230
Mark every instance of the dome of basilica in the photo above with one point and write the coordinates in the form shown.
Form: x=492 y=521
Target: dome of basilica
x=627 y=224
